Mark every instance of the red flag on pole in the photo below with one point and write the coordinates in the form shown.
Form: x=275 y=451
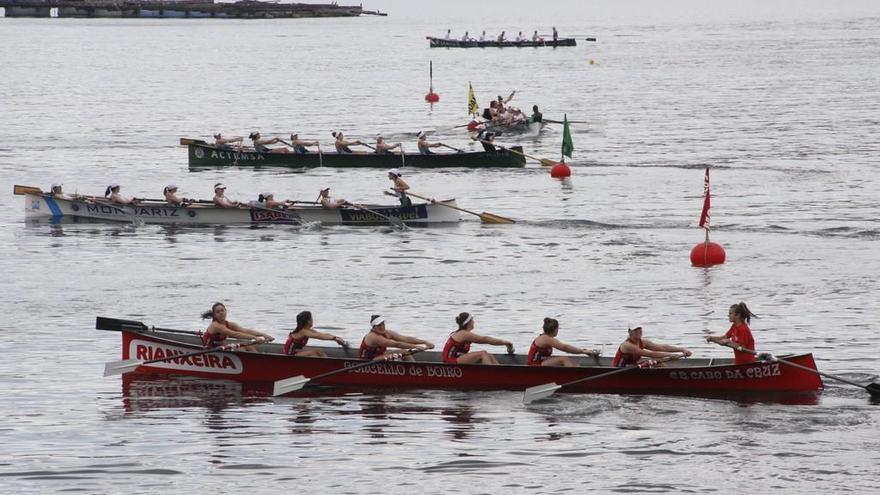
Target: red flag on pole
x=704 y=217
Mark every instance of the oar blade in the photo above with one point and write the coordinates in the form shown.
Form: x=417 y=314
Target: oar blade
x=288 y=385
x=492 y=218
x=548 y=163
x=539 y=392
x=104 y=323
x=873 y=389
x=120 y=367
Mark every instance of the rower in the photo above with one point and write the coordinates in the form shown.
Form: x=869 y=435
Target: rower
x=636 y=351
x=739 y=336
x=342 y=146
x=299 y=146
x=332 y=203
x=299 y=337
x=267 y=199
x=536 y=38
x=505 y=101
x=222 y=143
x=376 y=343
x=501 y=37
x=260 y=145
x=519 y=37
x=465 y=38
x=458 y=346
x=220 y=329
x=170 y=193
x=424 y=145
x=383 y=148
x=220 y=198
x=537 y=116
x=399 y=187
x=483 y=36
x=57 y=191
x=486 y=138
x=112 y=193
x=542 y=348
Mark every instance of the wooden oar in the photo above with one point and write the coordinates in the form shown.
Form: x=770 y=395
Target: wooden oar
x=20 y=190
x=393 y=220
x=538 y=392
x=124 y=366
x=451 y=147
x=117 y=325
x=544 y=161
x=561 y=122
x=872 y=388
x=485 y=217
x=295 y=383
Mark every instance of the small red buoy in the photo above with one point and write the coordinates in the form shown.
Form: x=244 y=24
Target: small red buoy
x=473 y=126
x=707 y=254
x=560 y=171
x=432 y=97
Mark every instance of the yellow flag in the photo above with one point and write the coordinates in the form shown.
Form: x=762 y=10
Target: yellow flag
x=473 y=108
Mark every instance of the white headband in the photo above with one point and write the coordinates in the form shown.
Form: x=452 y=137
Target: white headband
x=467 y=320
x=377 y=321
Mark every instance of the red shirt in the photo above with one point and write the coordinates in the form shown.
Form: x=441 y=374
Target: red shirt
x=622 y=359
x=211 y=339
x=741 y=335
x=292 y=346
x=537 y=355
x=453 y=349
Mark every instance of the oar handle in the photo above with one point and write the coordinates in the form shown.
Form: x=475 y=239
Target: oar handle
x=451 y=147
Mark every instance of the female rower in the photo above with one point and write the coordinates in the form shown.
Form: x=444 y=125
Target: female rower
x=57 y=191
x=376 y=343
x=487 y=139
x=384 y=148
x=483 y=36
x=112 y=193
x=636 y=351
x=342 y=146
x=425 y=146
x=328 y=202
x=170 y=193
x=299 y=146
x=222 y=143
x=458 y=346
x=739 y=337
x=299 y=337
x=220 y=199
x=399 y=187
x=267 y=199
x=260 y=144
x=536 y=38
x=220 y=329
x=501 y=38
x=542 y=347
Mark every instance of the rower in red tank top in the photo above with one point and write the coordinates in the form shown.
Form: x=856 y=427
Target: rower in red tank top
x=542 y=347
x=458 y=347
x=739 y=337
x=376 y=343
x=641 y=352
x=299 y=337
x=220 y=328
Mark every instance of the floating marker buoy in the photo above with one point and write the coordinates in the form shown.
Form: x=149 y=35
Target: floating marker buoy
x=708 y=254
x=560 y=171
x=473 y=126
x=432 y=97
x=592 y=61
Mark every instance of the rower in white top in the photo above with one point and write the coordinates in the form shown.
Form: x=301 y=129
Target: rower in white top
x=220 y=198
x=332 y=203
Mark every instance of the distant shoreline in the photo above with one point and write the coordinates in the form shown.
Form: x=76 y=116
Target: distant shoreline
x=189 y=9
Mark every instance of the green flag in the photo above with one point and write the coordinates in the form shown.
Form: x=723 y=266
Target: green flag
x=567 y=145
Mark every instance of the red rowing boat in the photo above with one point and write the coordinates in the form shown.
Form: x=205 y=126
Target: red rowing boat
x=268 y=364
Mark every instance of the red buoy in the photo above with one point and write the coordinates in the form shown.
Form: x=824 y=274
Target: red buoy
x=560 y=171
x=707 y=254
x=432 y=97
x=473 y=126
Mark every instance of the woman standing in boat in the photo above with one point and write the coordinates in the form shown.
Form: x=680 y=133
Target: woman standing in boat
x=299 y=146
x=343 y=146
x=458 y=346
x=542 y=348
x=383 y=148
x=112 y=193
x=220 y=329
x=424 y=145
x=376 y=343
x=399 y=186
x=636 y=351
x=739 y=337
x=299 y=337
x=220 y=198
x=260 y=145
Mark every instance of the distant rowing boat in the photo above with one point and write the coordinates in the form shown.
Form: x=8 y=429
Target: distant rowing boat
x=203 y=154
x=450 y=43
x=40 y=204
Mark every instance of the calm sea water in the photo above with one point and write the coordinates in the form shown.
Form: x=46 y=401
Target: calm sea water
x=781 y=99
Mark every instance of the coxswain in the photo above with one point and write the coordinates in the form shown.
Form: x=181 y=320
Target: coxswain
x=342 y=146
x=399 y=186
x=170 y=193
x=383 y=148
x=424 y=145
x=739 y=336
x=220 y=329
x=112 y=193
x=267 y=200
x=220 y=198
x=449 y=34
x=377 y=342
x=223 y=143
x=542 y=348
x=299 y=337
x=486 y=138
x=555 y=35
x=260 y=144
x=299 y=146
x=458 y=346
x=636 y=351
x=332 y=203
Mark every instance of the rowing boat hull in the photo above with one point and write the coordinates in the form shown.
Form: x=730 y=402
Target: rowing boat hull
x=685 y=377
x=202 y=154
x=445 y=43
x=37 y=205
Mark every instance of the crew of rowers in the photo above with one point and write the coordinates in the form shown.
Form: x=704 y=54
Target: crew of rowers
x=502 y=38
x=499 y=114
x=112 y=195
x=342 y=145
x=382 y=343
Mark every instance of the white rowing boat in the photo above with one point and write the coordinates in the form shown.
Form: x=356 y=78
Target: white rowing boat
x=41 y=204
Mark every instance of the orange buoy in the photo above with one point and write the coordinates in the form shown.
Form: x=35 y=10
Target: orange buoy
x=708 y=254
x=560 y=171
